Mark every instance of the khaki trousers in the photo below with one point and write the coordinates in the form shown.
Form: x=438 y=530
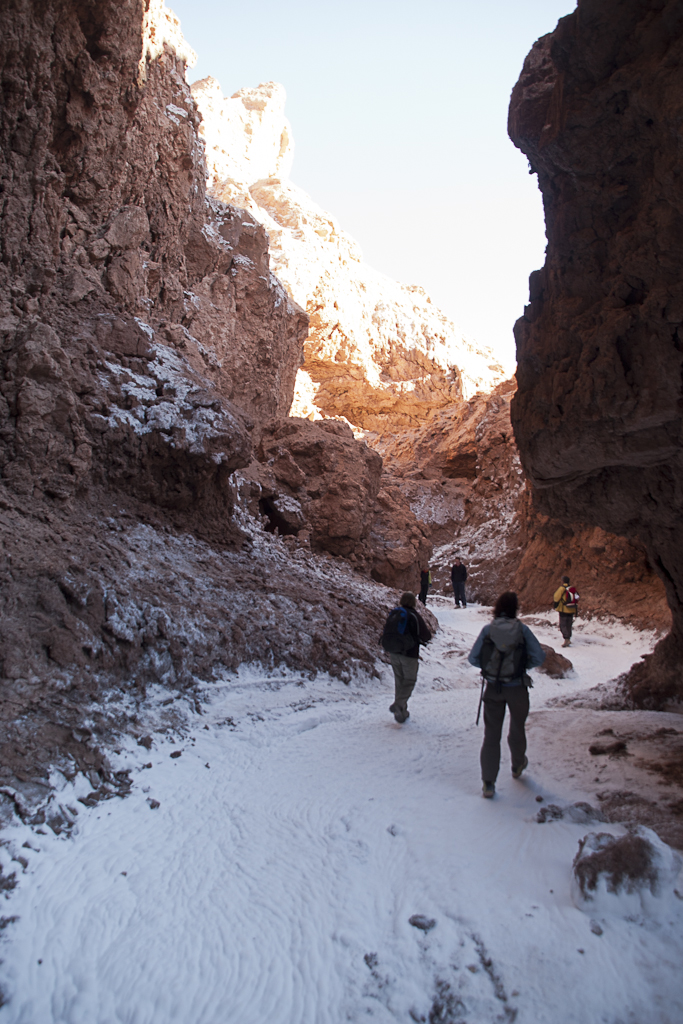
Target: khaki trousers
x=516 y=698
x=405 y=676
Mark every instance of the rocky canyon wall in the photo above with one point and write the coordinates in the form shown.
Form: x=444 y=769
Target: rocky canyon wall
x=148 y=359
x=597 y=416
x=461 y=475
x=379 y=354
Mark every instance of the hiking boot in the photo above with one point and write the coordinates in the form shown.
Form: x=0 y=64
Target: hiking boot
x=488 y=790
x=566 y=643
x=401 y=716
x=392 y=708
x=516 y=772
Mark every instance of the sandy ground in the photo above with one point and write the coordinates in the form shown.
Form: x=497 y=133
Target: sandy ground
x=299 y=831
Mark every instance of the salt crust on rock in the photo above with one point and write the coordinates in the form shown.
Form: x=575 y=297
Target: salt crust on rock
x=629 y=876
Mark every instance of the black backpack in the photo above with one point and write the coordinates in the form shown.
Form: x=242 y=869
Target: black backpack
x=396 y=637
x=502 y=666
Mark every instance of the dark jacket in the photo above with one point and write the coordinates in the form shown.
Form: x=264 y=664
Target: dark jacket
x=458 y=573
x=417 y=628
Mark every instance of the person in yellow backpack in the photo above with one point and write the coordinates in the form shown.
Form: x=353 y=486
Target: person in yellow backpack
x=566 y=600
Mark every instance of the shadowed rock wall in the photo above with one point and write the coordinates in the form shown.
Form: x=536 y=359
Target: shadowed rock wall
x=598 y=110
x=144 y=348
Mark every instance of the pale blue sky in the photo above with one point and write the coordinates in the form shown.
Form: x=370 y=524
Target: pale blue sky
x=398 y=112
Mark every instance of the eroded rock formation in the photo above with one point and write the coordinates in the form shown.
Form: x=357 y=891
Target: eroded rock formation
x=146 y=352
x=379 y=354
x=320 y=488
x=462 y=477
x=597 y=111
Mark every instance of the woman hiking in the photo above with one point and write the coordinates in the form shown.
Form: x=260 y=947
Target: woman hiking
x=504 y=650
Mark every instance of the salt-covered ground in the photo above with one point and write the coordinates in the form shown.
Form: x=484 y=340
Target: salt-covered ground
x=298 y=832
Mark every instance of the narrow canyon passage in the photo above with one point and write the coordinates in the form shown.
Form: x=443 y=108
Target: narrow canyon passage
x=299 y=831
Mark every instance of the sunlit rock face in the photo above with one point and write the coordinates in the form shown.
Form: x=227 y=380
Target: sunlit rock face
x=461 y=475
x=379 y=353
x=597 y=110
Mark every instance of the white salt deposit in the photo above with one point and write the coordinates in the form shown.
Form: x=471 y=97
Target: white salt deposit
x=296 y=836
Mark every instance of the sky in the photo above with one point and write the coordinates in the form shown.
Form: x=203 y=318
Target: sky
x=399 y=114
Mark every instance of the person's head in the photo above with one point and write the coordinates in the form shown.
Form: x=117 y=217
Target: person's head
x=457 y=559
x=565 y=579
x=408 y=599
x=506 y=605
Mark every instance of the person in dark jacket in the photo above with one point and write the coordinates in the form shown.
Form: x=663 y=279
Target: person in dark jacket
x=405 y=665
x=425 y=583
x=458 y=577
x=512 y=648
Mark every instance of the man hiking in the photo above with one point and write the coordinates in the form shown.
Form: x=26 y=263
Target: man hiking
x=458 y=577
x=425 y=583
x=404 y=631
x=566 y=600
x=504 y=650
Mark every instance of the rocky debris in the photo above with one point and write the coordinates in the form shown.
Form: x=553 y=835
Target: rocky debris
x=378 y=353
x=461 y=475
x=555 y=665
x=633 y=873
x=111 y=604
x=580 y=813
x=598 y=415
x=425 y=924
x=614 y=748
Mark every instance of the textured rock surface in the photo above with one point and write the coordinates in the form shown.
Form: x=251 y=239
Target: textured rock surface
x=378 y=353
x=597 y=110
x=321 y=489
x=145 y=346
x=462 y=477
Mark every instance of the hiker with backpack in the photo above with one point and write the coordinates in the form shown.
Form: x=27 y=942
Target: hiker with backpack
x=566 y=600
x=404 y=632
x=458 y=577
x=504 y=650
x=425 y=583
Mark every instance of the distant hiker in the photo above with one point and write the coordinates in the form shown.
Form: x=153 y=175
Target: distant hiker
x=458 y=577
x=504 y=650
x=404 y=631
x=566 y=600
x=425 y=583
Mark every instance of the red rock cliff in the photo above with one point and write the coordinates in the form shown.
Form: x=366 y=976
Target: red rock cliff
x=597 y=417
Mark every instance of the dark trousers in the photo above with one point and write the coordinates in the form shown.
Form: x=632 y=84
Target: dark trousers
x=424 y=590
x=566 y=622
x=516 y=698
x=459 y=594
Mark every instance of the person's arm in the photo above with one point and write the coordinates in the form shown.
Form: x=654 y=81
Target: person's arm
x=474 y=656
x=559 y=593
x=464 y=573
x=535 y=655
